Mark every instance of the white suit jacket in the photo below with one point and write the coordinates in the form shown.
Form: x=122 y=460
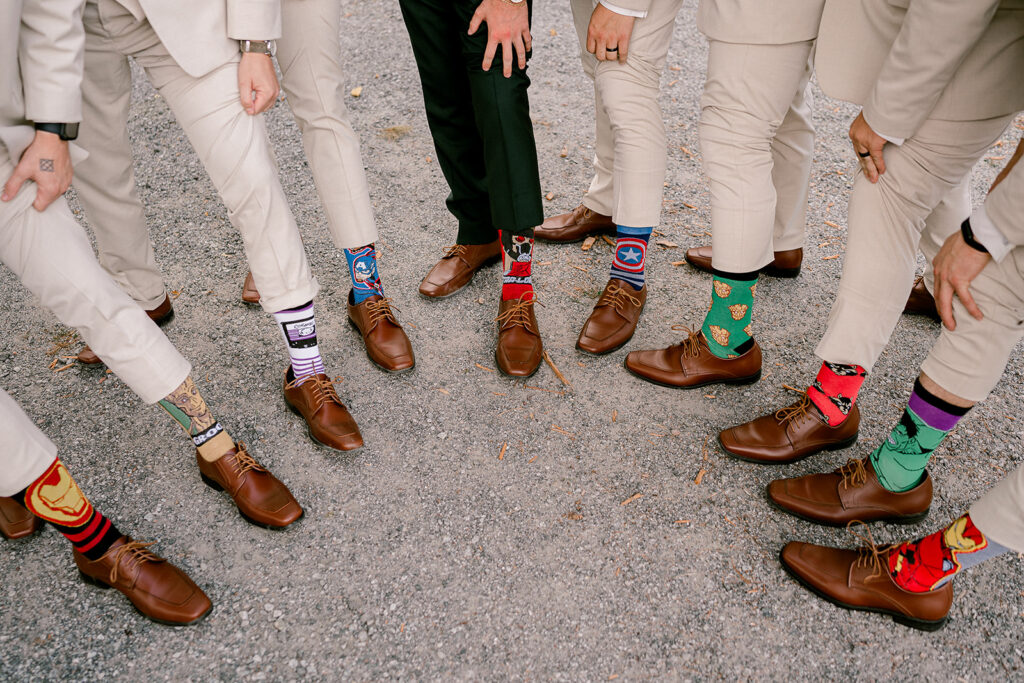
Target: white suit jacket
x=759 y=22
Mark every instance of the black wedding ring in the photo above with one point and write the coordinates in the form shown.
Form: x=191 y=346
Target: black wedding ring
x=863 y=155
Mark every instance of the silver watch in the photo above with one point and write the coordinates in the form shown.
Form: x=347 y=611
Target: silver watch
x=260 y=47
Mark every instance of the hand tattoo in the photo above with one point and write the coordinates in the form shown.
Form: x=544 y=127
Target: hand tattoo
x=46 y=165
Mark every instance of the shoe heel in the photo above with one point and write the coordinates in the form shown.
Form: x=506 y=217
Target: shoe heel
x=840 y=445
x=909 y=519
x=920 y=624
x=210 y=482
x=745 y=380
x=91 y=581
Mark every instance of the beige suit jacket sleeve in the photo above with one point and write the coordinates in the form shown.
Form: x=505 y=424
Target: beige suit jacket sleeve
x=255 y=19
x=1004 y=206
x=51 y=49
x=935 y=38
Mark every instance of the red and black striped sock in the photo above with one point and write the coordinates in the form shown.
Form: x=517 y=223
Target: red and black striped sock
x=56 y=498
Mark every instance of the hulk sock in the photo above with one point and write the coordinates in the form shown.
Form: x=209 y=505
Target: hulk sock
x=362 y=267
x=835 y=390
x=630 y=255
x=56 y=498
x=929 y=563
x=900 y=460
x=299 y=327
x=516 y=262
x=727 y=324
x=186 y=405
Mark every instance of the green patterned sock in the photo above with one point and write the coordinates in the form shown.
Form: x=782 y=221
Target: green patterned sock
x=727 y=324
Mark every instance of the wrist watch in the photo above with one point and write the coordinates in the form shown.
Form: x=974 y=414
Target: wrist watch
x=968 y=235
x=260 y=47
x=66 y=131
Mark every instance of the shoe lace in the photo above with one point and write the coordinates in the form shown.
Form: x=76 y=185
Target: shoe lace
x=134 y=552
x=245 y=462
x=691 y=345
x=518 y=313
x=455 y=250
x=323 y=389
x=795 y=411
x=381 y=310
x=869 y=554
x=615 y=295
x=854 y=473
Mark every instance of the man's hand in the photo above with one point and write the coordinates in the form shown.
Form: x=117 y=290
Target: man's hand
x=257 y=82
x=508 y=25
x=608 y=34
x=956 y=265
x=47 y=162
x=867 y=141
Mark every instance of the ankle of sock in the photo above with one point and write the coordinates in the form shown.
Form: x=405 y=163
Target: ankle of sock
x=835 y=390
x=727 y=326
x=56 y=498
x=188 y=408
x=630 y=260
x=901 y=459
x=362 y=268
x=516 y=262
x=930 y=562
x=299 y=328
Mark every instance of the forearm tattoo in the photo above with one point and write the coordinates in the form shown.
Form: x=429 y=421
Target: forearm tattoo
x=46 y=165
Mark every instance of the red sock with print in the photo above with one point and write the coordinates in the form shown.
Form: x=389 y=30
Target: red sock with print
x=835 y=390
x=926 y=564
x=516 y=262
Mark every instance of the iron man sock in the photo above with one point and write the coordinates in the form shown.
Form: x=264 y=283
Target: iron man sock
x=56 y=498
x=835 y=390
x=516 y=263
x=928 y=563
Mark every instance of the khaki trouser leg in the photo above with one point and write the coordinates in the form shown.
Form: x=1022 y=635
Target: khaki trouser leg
x=600 y=198
x=752 y=93
x=308 y=54
x=25 y=452
x=999 y=514
x=886 y=221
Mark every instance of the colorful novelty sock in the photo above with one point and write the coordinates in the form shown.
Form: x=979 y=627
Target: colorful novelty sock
x=630 y=255
x=516 y=262
x=727 y=325
x=299 y=328
x=56 y=498
x=835 y=390
x=900 y=460
x=926 y=564
x=186 y=405
x=362 y=267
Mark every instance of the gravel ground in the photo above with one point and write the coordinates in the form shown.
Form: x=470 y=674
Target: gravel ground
x=613 y=539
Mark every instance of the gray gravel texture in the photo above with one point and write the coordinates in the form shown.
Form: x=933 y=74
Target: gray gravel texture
x=425 y=555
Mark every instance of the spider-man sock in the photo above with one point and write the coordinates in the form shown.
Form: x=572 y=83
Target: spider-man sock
x=835 y=390
x=726 y=327
x=928 y=563
x=900 y=460
x=516 y=262
x=56 y=498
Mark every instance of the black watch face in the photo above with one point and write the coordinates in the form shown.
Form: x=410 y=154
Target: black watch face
x=69 y=132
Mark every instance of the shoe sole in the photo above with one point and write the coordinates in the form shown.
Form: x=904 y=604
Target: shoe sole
x=385 y=369
x=770 y=271
x=736 y=381
x=315 y=440
x=838 y=446
x=250 y=304
x=103 y=585
x=906 y=520
x=483 y=264
x=898 y=617
x=217 y=487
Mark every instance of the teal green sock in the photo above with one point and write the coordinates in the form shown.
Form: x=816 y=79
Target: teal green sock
x=727 y=325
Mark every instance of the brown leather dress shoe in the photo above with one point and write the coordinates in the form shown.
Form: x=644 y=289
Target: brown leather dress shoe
x=921 y=301
x=260 y=496
x=789 y=434
x=250 y=295
x=860 y=580
x=316 y=401
x=519 y=351
x=385 y=340
x=16 y=521
x=691 y=364
x=158 y=589
x=457 y=267
x=574 y=226
x=161 y=315
x=614 y=319
x=786 y=264
x=850 y=493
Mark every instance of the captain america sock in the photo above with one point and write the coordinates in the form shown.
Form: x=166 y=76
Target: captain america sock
x=299 y=328
x=56 y=498
x=362 y=268
x=516 y=262
x=900 y=460
x=835 y=390
x=931 y=562
x=631 y=255
x=726 y=327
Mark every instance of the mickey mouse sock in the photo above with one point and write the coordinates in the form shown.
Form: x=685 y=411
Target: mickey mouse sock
x=516 y=265
x=835 y=390
x=929 y=563
x=362 y=268
x=726 y=327
x=900 y=460
x=56 y=498
x=630 y=255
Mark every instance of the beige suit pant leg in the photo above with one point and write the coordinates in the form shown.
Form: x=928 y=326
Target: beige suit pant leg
x=753 y=92
x=886 y=221
x=308 y=54
x=999 y=514
x=600 y=197
x=25 y=452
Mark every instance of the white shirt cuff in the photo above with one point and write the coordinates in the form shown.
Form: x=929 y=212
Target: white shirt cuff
x=639 y=14
x=986 y=232
x=889 y=138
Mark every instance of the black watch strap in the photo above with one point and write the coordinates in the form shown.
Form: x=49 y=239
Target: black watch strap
x=968 y=235
x=66 y=131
